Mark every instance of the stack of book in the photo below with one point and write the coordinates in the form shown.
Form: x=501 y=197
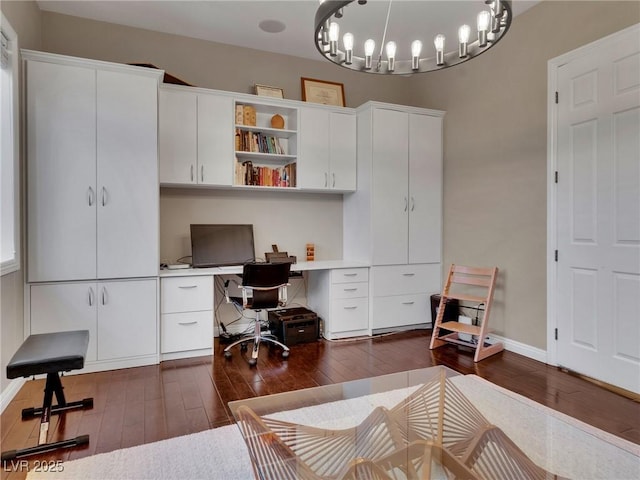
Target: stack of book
x=245 y=115
x=258 y=142
x=249 y=174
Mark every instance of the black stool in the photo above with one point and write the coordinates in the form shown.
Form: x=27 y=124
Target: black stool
x=50 y=353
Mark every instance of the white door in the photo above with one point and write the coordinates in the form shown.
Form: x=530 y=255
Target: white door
x=177 y=130
x=389 y=183
x=313 y=163
x=425 y=189
x=215 y=140
x=127 y=159
x=61 y=172
x=598 y=212
x=342 y=151
x=64 y=307
x=127 y=319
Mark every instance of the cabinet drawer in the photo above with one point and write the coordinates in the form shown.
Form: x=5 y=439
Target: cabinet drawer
x=349 y=290
x=348 y=315
x=186 y=294
x=406 y=279
x=348 y=275
x=400 y=310
x=186 y=331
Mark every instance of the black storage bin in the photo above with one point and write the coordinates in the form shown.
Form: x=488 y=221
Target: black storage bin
x=451 y=311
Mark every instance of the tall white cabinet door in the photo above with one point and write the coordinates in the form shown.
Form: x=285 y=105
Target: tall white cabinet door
x=389 y=180
x=61 y=172
x=215 y=140
x=425 y=189
x=127 y=322
x=63 y=307
x=342 y=151
x=127 y=176
x=313 y=167
x=177 y=130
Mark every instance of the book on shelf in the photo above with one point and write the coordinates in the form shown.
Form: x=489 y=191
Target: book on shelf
x=249 y=117
x=258 y=142
x=239 y=115
x=246 y=173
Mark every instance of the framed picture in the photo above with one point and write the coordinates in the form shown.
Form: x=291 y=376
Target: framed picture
x=267 y=91
x=321 y=91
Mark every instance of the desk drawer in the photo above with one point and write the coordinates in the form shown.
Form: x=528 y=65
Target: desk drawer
x=400 y=310
x=186 y=331
x=348 y=315
x=186 y=294
x=406 y=279
x=348 y=275
x=349 y=290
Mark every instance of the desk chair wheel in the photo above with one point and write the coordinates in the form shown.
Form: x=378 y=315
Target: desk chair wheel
x=285 y=354
x=243 y=347
x=253 y=362
x=227 y=354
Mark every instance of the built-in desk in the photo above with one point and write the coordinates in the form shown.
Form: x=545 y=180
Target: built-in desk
x=338 y=292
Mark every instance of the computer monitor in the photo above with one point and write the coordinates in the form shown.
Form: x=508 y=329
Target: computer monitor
x=220 y=245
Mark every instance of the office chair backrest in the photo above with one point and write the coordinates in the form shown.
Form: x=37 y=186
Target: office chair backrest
x=265 y=275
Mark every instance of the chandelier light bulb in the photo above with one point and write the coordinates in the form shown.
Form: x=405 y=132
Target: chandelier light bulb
x=438 y=42
x=463 y=38
x=334 y=32
x=484 y=19
x=347 y=41
x=369 y=47
x=416 y=48
x=391 y=56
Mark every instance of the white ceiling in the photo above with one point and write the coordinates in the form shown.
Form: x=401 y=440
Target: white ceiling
x=236 y=22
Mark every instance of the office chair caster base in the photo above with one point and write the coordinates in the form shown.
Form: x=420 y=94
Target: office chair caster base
x=253 y=362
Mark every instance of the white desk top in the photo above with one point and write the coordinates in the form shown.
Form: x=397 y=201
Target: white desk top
x=295 y=267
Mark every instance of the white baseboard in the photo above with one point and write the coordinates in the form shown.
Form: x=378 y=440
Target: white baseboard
x=522 y=348
x=11 y=391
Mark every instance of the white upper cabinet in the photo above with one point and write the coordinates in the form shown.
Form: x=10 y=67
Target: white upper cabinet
x=61 y=173
x=127 y=188
x=327 y=151
x=196 y=138
x=92 y=181
x=395 y=217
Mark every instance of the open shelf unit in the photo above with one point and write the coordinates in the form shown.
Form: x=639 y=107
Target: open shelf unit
x=265 y=156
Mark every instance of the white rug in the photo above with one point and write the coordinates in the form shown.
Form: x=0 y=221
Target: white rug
x=557 y=442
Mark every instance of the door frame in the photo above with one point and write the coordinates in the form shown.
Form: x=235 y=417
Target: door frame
x=552 y=164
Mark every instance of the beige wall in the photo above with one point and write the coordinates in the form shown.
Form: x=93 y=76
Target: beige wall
x=495 y=149
x=25 y=19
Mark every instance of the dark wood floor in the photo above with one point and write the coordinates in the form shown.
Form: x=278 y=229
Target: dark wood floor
x=146 y=404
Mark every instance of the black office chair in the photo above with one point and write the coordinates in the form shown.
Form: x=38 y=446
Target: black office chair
x=267 y=282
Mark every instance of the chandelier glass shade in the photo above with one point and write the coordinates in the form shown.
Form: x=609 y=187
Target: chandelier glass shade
x=403 y=37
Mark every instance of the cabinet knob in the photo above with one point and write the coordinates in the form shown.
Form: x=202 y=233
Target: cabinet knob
x=105 y=195
x=188 y=323
x=90 y=296
x=408 y=303
x=91 y=197
x=353 y=307
x=187 y=286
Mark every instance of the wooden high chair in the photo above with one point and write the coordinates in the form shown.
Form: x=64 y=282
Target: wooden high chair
x=476 y=278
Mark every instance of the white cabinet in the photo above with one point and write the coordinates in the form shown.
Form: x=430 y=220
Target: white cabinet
x=186 y=315
x=92 y=175
x=395 y=217
x=121 y=316
x=340 y=297
x=196 y=137
x=400 y=294
x=327 y=150
x=394 y=220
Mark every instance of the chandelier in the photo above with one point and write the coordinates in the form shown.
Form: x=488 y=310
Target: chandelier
x=442 y=35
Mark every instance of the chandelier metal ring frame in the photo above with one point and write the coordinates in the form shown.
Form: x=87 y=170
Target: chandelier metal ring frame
x=492 y=24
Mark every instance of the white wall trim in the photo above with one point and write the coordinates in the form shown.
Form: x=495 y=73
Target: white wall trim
x=10 y=392
x=523 y=349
